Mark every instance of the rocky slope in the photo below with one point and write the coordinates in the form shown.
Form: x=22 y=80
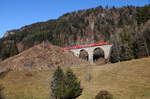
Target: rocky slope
x=41 y=56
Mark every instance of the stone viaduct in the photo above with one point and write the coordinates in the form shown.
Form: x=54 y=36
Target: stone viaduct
x=90 y=50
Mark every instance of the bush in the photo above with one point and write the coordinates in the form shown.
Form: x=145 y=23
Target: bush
x=103 y=95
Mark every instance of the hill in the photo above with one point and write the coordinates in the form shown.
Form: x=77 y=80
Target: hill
x=42 y=56
x=127 y=28
x=124 y=80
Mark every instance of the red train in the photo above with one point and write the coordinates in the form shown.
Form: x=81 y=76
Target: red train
x=81 y=46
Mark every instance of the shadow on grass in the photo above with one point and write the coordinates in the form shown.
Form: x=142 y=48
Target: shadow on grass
x=3 y=73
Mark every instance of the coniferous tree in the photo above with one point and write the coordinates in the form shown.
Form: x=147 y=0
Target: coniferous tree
x=65 y=86
x=72 y=86
x=57 y=83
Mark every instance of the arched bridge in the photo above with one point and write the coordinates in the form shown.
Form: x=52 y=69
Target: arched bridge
x=105 y=46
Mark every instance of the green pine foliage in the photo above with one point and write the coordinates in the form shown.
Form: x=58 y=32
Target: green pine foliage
x=8 y=50
x=72 y=86
x=57 y=87
x=143 y=14
x=65 y=86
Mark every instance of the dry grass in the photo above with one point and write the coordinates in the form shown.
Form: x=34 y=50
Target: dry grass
x=125 y=80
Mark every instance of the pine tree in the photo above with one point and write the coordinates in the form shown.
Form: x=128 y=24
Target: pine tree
x=65 y=86
x=72 y=86
x=57 y=83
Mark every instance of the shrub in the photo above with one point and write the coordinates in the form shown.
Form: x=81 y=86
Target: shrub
x=103 y=95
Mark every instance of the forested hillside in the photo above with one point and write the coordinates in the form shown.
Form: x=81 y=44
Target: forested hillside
x=127 y=28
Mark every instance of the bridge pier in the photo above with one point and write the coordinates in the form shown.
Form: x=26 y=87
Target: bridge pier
x=90 y=58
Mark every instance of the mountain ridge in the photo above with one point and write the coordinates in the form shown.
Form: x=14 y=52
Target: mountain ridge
x=115 y=25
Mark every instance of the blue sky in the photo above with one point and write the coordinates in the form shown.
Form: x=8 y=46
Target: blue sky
x=17 y=13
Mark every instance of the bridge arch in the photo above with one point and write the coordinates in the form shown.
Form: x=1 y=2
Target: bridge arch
x=98 y=53
x=83 y=54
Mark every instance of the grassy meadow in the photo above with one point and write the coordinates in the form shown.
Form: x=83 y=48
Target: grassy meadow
x=124 y=80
